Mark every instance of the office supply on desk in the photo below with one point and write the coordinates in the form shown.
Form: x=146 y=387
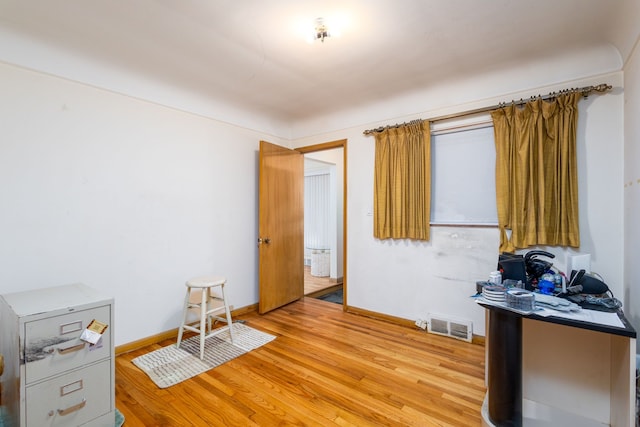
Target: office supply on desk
x=494 y=293
x=601 y=318
x=546 y=287
x=520 y=299
x=481 y=284
x=528 y=268
x=590 y=292
x=556 y=303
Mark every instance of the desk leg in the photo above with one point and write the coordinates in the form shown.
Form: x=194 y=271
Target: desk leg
x=505 y=368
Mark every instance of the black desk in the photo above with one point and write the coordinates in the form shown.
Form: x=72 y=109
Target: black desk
x=504 y=349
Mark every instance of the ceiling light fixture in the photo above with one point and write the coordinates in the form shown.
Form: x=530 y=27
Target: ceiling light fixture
x=322 y=32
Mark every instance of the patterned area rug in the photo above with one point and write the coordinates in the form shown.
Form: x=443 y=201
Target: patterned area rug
x=119 y=418
x=171 y=365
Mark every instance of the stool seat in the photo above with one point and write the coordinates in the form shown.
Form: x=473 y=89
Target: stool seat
x=207 y=310
x=206 y=281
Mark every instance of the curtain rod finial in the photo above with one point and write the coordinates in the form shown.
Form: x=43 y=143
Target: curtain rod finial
x=603 y=87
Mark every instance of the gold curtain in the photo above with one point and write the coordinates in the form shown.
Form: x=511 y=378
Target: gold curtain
x=402 y=192
x=536 y=173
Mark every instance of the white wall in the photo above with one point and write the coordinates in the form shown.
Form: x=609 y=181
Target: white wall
x=123 y=195
x=409 y=279
x=134 y=198
x=33 y=54
x=632 y=187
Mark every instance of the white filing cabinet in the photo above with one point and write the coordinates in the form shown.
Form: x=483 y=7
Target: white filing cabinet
x=52 y=377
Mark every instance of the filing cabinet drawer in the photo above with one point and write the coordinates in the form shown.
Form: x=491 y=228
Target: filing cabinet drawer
x=53 y=345
x=72 y=399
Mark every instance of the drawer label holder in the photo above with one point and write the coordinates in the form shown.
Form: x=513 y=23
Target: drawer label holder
x=71 y=387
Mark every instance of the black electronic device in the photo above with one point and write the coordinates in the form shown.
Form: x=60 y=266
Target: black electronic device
x=575 y=277
x=527 y=268
x=512 y=267
x=591 y=285
x=537 y=267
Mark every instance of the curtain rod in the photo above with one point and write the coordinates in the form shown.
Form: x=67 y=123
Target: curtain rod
x=585 y=91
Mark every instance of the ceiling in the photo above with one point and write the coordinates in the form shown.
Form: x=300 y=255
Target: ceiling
x=252 y=55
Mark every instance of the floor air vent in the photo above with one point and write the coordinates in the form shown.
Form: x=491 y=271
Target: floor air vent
x=454 y=328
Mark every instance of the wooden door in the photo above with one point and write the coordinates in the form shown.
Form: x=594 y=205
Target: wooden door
x=281 y=226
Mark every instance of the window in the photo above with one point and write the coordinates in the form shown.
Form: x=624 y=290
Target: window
x=463 y=189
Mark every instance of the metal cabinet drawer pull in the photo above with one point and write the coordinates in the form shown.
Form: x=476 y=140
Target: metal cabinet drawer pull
x=73 y=408
x=71 y=349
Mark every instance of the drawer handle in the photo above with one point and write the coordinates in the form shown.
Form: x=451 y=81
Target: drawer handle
x=73 y=408
x=71 y=349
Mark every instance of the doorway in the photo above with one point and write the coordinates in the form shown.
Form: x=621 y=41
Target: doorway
x=325 y=219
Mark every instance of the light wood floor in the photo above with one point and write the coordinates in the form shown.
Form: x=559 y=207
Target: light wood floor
x=318 y=286
x=325 y=368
